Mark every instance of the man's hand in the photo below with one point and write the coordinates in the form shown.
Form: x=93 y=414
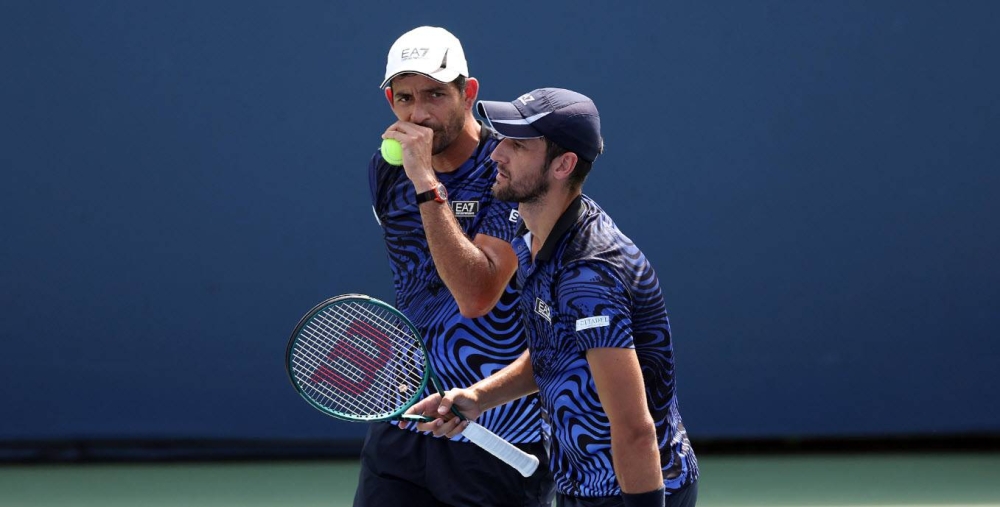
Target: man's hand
x=418 y=146
x=446 y=424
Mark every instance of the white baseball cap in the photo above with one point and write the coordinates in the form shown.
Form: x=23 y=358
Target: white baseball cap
x=428 y=50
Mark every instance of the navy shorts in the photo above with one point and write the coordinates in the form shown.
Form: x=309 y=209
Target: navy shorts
x=402 y=467
x=684 y=497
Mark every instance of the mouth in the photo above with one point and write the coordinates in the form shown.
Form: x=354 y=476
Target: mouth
x=438 y=130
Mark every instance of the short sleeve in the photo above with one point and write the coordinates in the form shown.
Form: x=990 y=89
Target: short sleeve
x=595 y=306
x=500 y=220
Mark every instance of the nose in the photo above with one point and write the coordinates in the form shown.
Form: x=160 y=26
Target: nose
x=419 y=114
x=499 y=153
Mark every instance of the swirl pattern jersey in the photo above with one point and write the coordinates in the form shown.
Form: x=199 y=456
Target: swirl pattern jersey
x=461 y=350
x=589 y=286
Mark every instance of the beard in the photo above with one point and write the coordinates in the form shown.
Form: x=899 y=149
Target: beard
x=446 y=134
x=527 y=191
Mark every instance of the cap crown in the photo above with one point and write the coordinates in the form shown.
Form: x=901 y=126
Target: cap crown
x=428 y=50
x=565 y=117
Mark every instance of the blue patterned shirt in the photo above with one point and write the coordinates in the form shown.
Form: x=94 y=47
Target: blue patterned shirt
x=462 y=351
x=589 y=287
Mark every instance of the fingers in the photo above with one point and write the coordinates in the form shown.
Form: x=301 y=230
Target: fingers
x=444 y=422
x=444 y=427
x=406 y=132
x=451 y=425
x=445 y=404
x=447 y=425
x=417 y=143
x=457 y=428
x=426 y=407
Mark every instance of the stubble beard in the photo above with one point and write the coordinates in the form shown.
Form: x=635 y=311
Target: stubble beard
x=444 y=136
x=524 y=194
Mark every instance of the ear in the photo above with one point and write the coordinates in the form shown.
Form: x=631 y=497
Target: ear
x=388 y=95
x=471 y=92
x=564 y=164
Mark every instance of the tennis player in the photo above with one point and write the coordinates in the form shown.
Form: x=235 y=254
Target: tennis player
x=448 y=241
x=600 y=351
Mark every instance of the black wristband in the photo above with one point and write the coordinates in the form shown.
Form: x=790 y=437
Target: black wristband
x=655 y=498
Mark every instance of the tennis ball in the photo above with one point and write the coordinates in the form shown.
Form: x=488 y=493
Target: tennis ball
x=392 y=151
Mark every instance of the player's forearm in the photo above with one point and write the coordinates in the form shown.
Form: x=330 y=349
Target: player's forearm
x=636 y=457
x=472 y=277
x=516 y=380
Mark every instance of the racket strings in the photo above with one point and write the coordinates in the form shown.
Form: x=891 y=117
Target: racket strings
x=331 y=372
x=359 y=355
x=358 y=360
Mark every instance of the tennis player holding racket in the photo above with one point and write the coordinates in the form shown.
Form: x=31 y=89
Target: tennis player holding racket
x=600 y=352
x=448 y=242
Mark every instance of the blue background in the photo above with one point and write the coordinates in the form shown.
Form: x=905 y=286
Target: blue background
x=816 y=183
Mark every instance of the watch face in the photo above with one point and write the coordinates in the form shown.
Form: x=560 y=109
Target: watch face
x=438 y=193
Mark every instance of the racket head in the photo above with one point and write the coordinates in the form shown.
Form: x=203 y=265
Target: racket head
x=357 y=358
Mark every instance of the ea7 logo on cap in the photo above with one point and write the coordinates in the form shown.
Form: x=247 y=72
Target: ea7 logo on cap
x=411 y=53
x=526 y=98
x=465 y=209
x=542 y=308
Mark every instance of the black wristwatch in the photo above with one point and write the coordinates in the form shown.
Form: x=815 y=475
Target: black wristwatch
x=438 y=193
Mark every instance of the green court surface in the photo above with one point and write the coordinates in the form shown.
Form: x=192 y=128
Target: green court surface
x=810 y=480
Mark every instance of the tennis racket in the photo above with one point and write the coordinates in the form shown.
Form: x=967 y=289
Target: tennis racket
x=359 y=359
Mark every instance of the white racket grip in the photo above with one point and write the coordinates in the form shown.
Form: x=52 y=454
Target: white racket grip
x=502 y=449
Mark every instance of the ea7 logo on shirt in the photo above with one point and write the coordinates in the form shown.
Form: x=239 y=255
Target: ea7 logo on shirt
x=465 y=209
x=542 y=308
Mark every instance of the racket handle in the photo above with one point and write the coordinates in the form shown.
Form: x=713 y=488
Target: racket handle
x=502 y=449
x=416 y=418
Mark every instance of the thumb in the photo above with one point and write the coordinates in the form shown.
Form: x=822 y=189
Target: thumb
x=446 y=403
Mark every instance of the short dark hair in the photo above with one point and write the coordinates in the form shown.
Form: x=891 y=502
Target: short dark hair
x=580 y=172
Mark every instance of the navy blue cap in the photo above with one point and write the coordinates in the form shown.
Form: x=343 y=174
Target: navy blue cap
x=565 y=117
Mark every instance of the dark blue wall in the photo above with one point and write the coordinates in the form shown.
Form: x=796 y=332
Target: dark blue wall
x=816 y=183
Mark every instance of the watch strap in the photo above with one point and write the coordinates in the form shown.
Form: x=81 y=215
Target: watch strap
x=433 y=194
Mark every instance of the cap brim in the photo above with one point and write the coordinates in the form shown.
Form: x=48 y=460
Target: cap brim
x=440 y=75
x=507 y=120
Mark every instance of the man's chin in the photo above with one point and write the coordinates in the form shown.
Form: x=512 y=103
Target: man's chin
x=440 y=143
x=503 y=194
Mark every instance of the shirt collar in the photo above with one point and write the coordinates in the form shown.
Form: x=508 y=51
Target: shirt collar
x=565 y=222
x=485 y=133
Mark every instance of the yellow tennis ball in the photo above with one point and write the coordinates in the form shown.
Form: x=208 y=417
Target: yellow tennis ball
x=392 y=151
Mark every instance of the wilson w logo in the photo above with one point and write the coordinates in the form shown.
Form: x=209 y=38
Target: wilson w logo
x=353 y=363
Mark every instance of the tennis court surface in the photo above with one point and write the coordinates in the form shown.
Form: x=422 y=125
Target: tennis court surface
x=898 y=480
